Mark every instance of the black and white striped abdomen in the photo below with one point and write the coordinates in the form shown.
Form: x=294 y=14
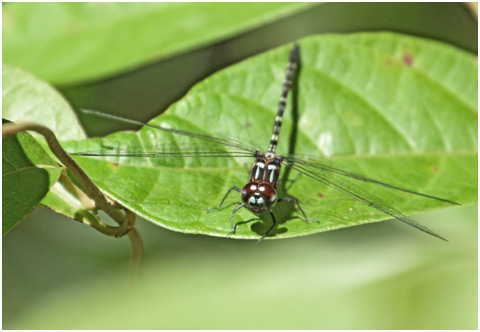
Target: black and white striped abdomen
x=287 y=84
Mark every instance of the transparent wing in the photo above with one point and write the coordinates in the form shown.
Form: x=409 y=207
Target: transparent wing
x=212 y=141
x=203 y=150
x=320 y=165
x=338 y=180
x=202 y=145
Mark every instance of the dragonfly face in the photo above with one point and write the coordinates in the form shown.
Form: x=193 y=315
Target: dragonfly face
x=259 y=196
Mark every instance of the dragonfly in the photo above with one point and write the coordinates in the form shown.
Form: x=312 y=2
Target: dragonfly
x=259 y=195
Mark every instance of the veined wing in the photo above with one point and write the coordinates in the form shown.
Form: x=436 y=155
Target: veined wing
x=330 y=178
x=236 y=145
x=316 y=164
x=169 y=151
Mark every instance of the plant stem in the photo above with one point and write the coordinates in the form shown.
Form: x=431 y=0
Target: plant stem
x=126 y=221
x=136 y=255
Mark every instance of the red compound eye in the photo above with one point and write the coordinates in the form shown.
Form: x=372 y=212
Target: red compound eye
x=259 y=195
x=268 y=192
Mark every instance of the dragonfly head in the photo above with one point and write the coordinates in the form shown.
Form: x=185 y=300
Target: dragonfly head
x=259 y=196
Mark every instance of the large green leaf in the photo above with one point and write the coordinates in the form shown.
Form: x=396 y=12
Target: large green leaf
x=398 y=109
x=28 y=172
x=70 y=42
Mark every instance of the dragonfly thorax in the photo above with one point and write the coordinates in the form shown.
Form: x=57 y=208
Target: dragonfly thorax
x=259 y=196
x=266 y=170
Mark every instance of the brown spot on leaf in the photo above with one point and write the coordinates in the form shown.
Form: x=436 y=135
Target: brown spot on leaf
x=435 y=169
x=115 y=164
x=320 y=195
x=407 y=59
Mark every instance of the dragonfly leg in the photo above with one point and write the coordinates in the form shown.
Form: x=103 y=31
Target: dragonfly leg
x=291 y=199
x=224 y=197
x=271 y=227
x=233 y=224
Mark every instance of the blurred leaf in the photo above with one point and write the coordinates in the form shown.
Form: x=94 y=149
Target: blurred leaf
x=65 y=43
x=28 y=172
x=398 y=109
x=26 y=98
x=377 y=277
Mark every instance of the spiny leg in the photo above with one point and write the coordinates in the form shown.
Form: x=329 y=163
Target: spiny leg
x=224 y=197
x=291 y=199
x=271 y=227
x=233 y=224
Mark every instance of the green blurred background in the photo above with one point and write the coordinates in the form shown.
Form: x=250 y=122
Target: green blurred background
x=59 y=274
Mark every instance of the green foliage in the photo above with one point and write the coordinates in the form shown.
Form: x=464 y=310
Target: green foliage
x=28 y=173
x=27 y=98
x=377 y=277
x=384 y=105
x=73 y=43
